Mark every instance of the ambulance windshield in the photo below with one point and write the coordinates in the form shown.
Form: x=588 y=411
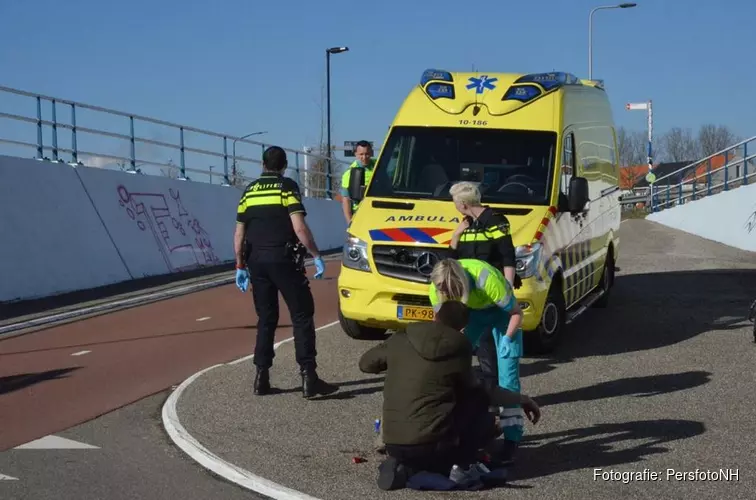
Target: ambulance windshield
x=512 y=166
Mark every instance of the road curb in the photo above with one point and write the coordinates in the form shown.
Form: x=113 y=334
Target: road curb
x=197 y=452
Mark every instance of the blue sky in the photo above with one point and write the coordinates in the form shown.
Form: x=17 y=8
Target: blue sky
x=237 y=66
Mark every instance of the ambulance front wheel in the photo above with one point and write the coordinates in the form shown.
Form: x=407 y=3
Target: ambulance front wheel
x=549 y=332
x=357 y=331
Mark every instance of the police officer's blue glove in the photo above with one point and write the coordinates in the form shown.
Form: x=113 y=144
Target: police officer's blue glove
x=242 y=279
x=320 y=267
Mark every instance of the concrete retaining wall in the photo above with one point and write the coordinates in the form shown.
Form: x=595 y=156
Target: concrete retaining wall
x=728 y=217
x=65 y=229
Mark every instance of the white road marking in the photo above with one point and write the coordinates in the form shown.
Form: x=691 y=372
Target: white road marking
x=203 y=318
x=275 y=346
x=3 y=477
x=209 y=460
x=55 y=443
x=80 y=353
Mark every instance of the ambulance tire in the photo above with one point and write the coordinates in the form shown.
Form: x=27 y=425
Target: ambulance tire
x=547 y=336
x=359 y=332
x=607 y=280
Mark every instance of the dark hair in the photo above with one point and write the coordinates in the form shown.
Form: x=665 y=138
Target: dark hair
x=274 y=159
x=364 y=144
x=454 y=314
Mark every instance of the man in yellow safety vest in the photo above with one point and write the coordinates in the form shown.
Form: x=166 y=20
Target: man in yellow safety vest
x=364 y=154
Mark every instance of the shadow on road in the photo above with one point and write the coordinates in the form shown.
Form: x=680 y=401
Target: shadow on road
x=361 y=391
x=13 y=383
x=649 y=311
x=599 y=446
x=338 y=386
x=641 y=387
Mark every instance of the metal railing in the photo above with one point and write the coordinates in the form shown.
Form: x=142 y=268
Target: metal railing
x=700 y=179
x=198 y=150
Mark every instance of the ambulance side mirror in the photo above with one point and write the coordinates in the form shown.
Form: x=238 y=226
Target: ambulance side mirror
x=356 y=184
x=579 y=196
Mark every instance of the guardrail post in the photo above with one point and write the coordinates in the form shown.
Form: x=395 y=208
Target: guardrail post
x=296 y=167
x=669 y=194
x=133 y=143
x=40 y=146
x=745 y=163
x=262 y=152
x=74 y=152
x=183 y=164
x=651 y=193
x=708 y=177
x=225 y=161
x=54 y=131
x=679 y=192
x=726 y=169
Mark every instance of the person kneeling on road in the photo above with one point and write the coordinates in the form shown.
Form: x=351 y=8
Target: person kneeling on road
x=435 y=413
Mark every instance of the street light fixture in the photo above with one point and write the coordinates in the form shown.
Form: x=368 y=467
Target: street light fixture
x=233 y=165
x=590 y=31
x=332 y=50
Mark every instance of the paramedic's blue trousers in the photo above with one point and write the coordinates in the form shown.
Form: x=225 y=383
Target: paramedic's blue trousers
x=494 y=321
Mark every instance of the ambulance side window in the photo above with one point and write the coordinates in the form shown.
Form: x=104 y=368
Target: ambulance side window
x=568 y=164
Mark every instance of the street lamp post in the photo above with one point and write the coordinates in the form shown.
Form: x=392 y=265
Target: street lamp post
x=590 y=31
x=332 y=50
x=233 y=164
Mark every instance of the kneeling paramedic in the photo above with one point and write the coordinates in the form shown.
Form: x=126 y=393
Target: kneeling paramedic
x=272 y=232
x=492 y=304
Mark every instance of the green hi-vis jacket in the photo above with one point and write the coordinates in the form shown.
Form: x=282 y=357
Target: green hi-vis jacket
x=348 y=174
x=488 y=287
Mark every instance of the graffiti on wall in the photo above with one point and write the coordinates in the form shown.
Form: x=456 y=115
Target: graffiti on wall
x=179 y=235
x=750 y=224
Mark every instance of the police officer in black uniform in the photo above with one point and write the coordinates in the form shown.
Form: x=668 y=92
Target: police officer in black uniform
x=271 y=242
x=483 y=234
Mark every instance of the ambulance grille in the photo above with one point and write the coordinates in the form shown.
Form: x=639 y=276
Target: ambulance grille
x=402 y=262
x=407 y=299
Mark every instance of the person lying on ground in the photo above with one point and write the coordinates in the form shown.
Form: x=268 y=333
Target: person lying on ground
x=435 y=412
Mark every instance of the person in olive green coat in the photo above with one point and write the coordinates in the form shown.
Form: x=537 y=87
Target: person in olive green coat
x=434 y=413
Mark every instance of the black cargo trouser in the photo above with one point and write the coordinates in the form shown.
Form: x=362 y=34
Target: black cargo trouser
x=488 y=359
x=473 y=429
x=267 y=279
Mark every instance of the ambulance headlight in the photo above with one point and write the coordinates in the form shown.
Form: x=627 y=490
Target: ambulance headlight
x=355 y=254
x=527 y=258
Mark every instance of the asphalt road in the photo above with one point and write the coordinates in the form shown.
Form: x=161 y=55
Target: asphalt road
x=133 y=460
x=59 y=377
x=659 y=381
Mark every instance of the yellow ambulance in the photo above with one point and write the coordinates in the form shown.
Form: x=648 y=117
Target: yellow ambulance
x=542 y=148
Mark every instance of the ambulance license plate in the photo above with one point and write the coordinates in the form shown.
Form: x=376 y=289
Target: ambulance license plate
x=414 y=313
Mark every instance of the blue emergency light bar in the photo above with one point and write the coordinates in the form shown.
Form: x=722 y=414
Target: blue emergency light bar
x=440 y=90
x=435 y=74
x=522 y=93
x=550 y=81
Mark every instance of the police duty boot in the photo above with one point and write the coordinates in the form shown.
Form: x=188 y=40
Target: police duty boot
x=310 y=383
x=262 y=382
